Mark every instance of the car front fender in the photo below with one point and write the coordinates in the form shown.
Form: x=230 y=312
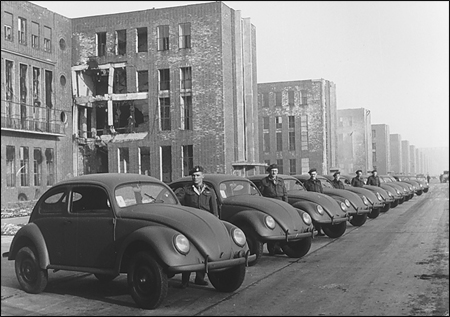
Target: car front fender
x=255 y=220
x=26 y=236
x=311 y=209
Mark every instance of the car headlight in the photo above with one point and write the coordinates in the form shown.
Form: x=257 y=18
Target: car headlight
x=404 y=189
x=343 y=206
x=390 y=194
x=347 y=203
x=238 y=237
x=398 y=192
x=319 y=209
x=365 y=201
x=420 y=185
x=270 y=222
x=306 y=218
x=182 y=244
x=379 y=197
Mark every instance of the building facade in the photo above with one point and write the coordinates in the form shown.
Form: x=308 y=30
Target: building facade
x=297 y=124
x=406 y=158
x=412 y=160
x=36 y=100
x=158 y=91
x=354 y=140
x=395 y=147
x=381 y=144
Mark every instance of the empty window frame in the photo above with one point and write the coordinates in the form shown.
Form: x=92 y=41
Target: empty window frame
x=186 y=112
x=141 y=40
x=304 y=132
x=163 y=37
x=278 y=122
x=23 y=89
x=166 y=164
x=164 y=79
x=22 y=30
x=34 y=35
x=10 y=166
x=374 y=134
x=265 y=99
x=304 y=97
x=9 y=73
x=36 y=86
x=186 y=78
x=8 y=26
x=266 y=123
x=280 y=166
x=164 y=106
x=144 y=160
x=142 y=80
x=50 y=163
x=123 y=155
x=100 y=40
x=24 y=166
x=292 y=166
x=48 y=88
x=184 y=31
x=120 y=81
x=291 y=97
x=266 y=142
x=188 y=158
x=37 y=166
x=291 y=122
x=279 y=141
x=278 y=99
x=291 y=141
x=47 y=39
x=121 y=42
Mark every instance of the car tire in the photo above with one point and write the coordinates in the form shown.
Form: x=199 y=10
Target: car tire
x=419 y=193
x=358 y=220
x=31 y=277
x=386 y=208
x=374 y=213
x=395 y=203
x=147 y=282
x=335 y=231
x=256 y=247
x=105 y=278
x=297 y=249
x=228 y=280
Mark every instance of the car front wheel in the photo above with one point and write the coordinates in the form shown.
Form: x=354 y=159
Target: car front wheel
x=256 y=247
x=374 y=213
x=147 y=282
x=31 y=277
x=358 y=220
x=228 y=280
x=297 y=249
x=335 y=231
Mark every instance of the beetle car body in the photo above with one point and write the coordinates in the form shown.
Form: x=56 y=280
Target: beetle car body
x=262 y=219
x=109 y=224
x=358 y=206
x=324 y=210
x=408 y=188
x=419 y=184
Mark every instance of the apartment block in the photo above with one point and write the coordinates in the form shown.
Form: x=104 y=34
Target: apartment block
x=354 y=149
x=36 y=100
x=412 y=160
x=158 y=91
x=297 y=124
x=381 y=156
x=406 y=157
x=395 y=147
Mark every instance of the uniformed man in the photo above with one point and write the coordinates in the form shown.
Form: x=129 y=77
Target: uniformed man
x=374 y=179
x=336 y=181
x=197 y=195
x=314 y=185
x=272 y=185
x=357 y=181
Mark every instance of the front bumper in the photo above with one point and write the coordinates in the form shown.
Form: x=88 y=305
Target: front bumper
x=291 y=237
x=359 y=211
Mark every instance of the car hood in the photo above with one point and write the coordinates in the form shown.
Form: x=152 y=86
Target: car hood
x=352 y=197
x=324 y=200
x=287 y=216
x=203 y=229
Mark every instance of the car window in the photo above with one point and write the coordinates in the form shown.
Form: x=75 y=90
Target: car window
x=326 y=183
x=54 y=203
x=143 y=193
x=237 y=188
x=292 y=184
x=89 y=199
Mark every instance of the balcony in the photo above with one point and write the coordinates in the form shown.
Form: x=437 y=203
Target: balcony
x=32 y=119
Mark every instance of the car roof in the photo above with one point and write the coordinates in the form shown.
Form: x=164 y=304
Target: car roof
x=261 y=176
x=214 y=178
x=109 y=179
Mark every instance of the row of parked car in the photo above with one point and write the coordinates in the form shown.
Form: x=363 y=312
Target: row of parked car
x=108 y=224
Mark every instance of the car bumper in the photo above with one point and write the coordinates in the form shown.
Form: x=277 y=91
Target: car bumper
x=213 y=266
x=334 y=221
x=359 y=211
x=290 y=237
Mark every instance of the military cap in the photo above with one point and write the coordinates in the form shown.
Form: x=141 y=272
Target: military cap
x=373 y=171
x=196 y=169
x=271 y=167
x=358 y=171
x=312 y=170
x=335 y=173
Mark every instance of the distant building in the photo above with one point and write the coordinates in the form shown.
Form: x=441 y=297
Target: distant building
x=297 y=124
x=406 y=158
x=381 y=156
x=395 y=147
x=412 y=160
x=437 y=160
x=36 y=100
x=354 y=140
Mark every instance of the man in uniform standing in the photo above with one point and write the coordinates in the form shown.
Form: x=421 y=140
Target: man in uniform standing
x=273 y=186
x=374 y=179
x=314 y=185
x=197 y=195
x=357 y=181
x=336 y=181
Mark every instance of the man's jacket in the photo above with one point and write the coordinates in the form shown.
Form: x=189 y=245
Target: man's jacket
x=273 y=188
x=205 y=201
x=313 y=185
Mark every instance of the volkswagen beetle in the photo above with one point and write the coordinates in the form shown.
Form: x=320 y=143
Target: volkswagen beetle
x=107 y=224
x=263 y=220
x=324 y=210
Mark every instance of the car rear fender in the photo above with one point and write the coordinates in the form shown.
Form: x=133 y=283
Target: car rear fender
x=160 y=242
x=30 y=235
x=255 y=220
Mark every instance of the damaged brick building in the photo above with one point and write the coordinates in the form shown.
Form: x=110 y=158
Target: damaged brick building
x=297 y=125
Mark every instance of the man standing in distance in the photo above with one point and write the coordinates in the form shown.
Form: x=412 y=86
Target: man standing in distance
x=197 y=195
x=336 y=181
x=357 y=181
x=374 y=179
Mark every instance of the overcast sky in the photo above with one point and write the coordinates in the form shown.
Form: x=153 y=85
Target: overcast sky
x=389 y=57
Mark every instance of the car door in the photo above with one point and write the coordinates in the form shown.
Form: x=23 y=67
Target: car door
x=90 y=228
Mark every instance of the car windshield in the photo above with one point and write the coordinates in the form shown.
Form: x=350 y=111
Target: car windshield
x=293 y=184
x=326 y=183
x=237 y=188
x=143 y=193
